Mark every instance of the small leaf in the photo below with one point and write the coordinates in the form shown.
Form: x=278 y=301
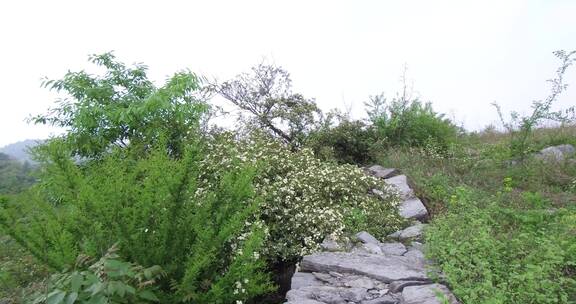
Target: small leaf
x=71 y=298
x=148 y=295
x=76 y=280
x=55 y=297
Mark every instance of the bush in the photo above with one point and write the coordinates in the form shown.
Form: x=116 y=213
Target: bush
x=208 y=242
x=349 y=142
x=503 y=255
x=414 y=124
x=305 y=199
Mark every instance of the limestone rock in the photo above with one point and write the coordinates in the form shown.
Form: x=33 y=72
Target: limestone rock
x=379 y=267
x=398 y=286
x=302 y=279
x=327 y=294
x=393 y=248
x=387 y=299
x=372 y=248
x=426 y=294
x=412 y=232
x=413 y=208
x=400 y=182
x=366 y=238
x=381 y=172
x=556 y=153
x=416 y=255
x=329 y=244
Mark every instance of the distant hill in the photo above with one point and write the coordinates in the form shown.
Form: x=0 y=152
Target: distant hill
x=19 y=150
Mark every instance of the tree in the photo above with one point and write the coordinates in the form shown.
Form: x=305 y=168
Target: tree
x=266 y=95
x=123 y=107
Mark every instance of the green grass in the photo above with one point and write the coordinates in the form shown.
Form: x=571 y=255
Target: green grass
x=501 y=233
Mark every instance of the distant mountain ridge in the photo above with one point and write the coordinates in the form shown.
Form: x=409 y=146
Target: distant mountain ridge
x=19 y=150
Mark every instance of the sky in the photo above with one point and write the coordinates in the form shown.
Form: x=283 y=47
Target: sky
x=460 y=55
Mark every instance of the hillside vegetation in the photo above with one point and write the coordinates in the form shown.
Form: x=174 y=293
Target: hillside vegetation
x=144 y=200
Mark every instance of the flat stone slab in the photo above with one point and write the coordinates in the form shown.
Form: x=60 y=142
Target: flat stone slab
x=327 y=294
x=400 y=182
x=381 y=172
x=387 y=299
x=413 y=208
x=380 y=267
x=303 y=279
x=426 y=294
x=393 y=248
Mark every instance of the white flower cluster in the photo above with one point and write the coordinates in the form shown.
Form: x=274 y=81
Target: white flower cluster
x=305 y=199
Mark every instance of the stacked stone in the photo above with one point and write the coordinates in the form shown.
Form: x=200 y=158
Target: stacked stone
x=373 y=272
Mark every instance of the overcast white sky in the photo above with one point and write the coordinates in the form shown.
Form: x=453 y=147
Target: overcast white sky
x=461 y=55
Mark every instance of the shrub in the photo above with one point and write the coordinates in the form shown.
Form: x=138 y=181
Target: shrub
x=413 y=123
x=305 y=199
x=208 y=242
x=349 y=142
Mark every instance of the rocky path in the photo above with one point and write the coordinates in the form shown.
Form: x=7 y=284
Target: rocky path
x=373 y=272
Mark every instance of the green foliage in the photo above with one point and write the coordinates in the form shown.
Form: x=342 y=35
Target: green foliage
x=123 y=107
x=520 y=128
x=19 y=271
x=14 y=176
x=108 y=280
x=266 y=95
x=495 y=254
x=150 y=204
x=411 y=123
x=305 y=199
x=500 y=234
x=349 y=142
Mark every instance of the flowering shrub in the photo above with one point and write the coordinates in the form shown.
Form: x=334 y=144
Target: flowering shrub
x=304 y=199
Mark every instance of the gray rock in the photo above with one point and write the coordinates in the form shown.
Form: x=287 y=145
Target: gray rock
x=304 y=301
x=398 y=286
x=412 y=232
x=372 y=248
x=413 y=208
x=381 y=172
x=387 y=299
x=395 y=235
x=416 y=255
x=303 y=279
x=400 y=182
x=393 y=248
x=379 y=267
x=327 y=294
x=366 y=238
x=329 y=244
x=361 y=282
x=426 y=294
x=350 y=280
x=556 y=153
x=416 y=245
